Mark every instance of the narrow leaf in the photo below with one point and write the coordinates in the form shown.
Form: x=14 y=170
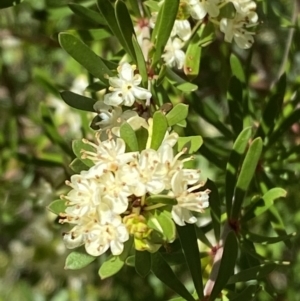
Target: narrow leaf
x=140 y=61
x=125 y=26
x=77 y=260
x=188 y=240
x=142 y=263
x=165 y=274
x=179 y=82
x=128 y=135
x=78 y=146
x=78 y=101
x=237 y=68
x=233 y=164
x=191 y=143
x=84 y=56
x=160 y=126
x=246 y=175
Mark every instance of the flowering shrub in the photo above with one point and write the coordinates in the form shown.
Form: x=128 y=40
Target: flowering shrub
x=136 y=188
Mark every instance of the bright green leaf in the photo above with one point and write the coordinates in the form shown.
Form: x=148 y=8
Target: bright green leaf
x=77 y=260
x=191 y=143
x=57 y=206
x=87 y=35
x=128 y=135
x=163 y=199
x=78 y=146
x=177 y=114
x=160 y=126
x=141 y=64
x=179 y=82
x=237 y=68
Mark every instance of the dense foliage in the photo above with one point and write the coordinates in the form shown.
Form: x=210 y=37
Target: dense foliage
x=230 y=101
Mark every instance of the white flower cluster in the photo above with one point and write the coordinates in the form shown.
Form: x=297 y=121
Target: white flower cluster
x=236 y=28
x=117 y=184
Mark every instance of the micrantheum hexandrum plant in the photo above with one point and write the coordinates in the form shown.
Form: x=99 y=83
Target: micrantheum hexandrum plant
x=135 y=189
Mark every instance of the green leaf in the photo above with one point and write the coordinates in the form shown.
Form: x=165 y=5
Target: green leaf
x=78 y=101
x=215 y=207
x=78 y=146
x=167 y=225
x=188 y=240
x=87 y=13
x=272 y=110
x=142 y=263
x=130 y=261
x=263 y=204
x=247 y=294
x=233 y=164
x=52 y=131
x=177 y=114
x=142 y=138
x=235 y=101
x=77 y=260
x=227 y=264
x=77 y=165
x=84 y=56
x=237 y=68
x=87 y=35
x=246 y=174
x=115 y=263
x=178 y=82
x=253 y=273
x=256 y=238
x=163 y=199
x=227 y=11
x=128 y=135
x=153 y=5
x=140 y=61
x=192 y=143
x=8 y=3
x=125 y=26
x=163 y=27
x=165 y=274
x=160 y=126
x=108 y=11
x=57 y=206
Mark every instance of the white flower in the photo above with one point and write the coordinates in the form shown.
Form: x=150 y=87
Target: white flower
x=182 y=28
x=125 y=88
x=200 y=8
x=236 y=29
x=243 y=6
x=187 y=200
x=174 y=56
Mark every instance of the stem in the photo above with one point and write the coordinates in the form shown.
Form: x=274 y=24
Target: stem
x=216 y=264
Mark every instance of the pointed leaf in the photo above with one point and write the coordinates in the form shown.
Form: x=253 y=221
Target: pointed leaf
x=246 y=175
x=78 y=101
x=163 y=27
x=126 y=27
x=237 y=68
x=227 y=264
x=77 y=260
x=78 y=146
x=177 y=114
x=165 y=274
x=160 y=126
x=233 y=164
x=84 y=56
x=188 y=240
x=128 y=135
x=87 y=35
x=256 y=238
x=87 y=13
x=179 y=82
x=57 y=206
x=192 y=143
x=142 y=263
x=141 y=64
x=253 y=273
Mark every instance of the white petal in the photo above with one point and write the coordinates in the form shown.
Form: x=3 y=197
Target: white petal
x=141 y=93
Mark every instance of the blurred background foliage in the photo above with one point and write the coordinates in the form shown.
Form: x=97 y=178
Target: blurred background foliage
x=37 y=129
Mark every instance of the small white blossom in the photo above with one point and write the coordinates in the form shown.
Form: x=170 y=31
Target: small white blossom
x=188 y=200
x=236 y=29
x=174 y=56
x=125 y=88
x=200 y=8
x=244 y=6
x=182 y=28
